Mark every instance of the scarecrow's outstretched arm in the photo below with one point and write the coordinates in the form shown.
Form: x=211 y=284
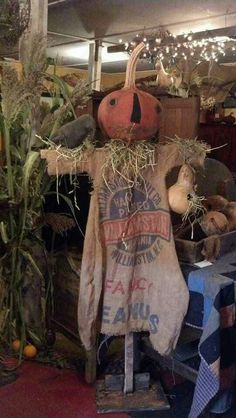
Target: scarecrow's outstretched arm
x=60 y=164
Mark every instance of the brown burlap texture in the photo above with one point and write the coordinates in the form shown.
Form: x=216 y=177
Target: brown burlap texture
x=130 y=276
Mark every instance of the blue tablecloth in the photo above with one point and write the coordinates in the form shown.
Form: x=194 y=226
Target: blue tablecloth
x=212 y=309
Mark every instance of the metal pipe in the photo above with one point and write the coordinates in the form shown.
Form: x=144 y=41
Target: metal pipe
x=65 y=35
x=53 y=3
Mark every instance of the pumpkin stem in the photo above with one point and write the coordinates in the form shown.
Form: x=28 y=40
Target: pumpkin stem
x=131 y=67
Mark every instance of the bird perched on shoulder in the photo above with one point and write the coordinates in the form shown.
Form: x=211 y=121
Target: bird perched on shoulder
x=72 y=134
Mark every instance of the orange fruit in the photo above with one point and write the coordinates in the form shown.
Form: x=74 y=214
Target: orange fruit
x=30 y=351
x=16 y=345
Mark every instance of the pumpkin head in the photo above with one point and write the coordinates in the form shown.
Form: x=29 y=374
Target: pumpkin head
x=130 y=114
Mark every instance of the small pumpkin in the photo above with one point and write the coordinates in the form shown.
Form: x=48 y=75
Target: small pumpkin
x=30 y=351
x=130 y=114
x=16 y=345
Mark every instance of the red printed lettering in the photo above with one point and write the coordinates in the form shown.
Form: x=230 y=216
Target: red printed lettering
x=118 y=288
x=134 y=285
x=144 y=223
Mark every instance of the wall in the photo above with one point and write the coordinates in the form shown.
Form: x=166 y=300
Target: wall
x=108 y=80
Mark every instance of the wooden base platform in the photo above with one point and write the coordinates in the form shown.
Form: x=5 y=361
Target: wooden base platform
x=153 y=399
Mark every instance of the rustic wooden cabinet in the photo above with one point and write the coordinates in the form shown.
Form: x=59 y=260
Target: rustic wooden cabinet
x=218 y=134
x=180 y=117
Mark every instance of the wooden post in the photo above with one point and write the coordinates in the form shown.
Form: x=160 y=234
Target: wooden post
x=39 y=17
x=95 y=64
x=129 y=363
x=38 y=21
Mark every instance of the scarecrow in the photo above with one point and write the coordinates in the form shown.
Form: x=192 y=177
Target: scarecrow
x=131 y=280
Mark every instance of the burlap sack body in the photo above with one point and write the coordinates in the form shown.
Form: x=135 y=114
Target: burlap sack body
x=130 y=267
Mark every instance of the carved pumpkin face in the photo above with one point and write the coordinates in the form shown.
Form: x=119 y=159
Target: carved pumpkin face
x=129 y=114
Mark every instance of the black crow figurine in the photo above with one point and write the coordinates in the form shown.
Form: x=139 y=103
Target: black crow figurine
x=72 y=134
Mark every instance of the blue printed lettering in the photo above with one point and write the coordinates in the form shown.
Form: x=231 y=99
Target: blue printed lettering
x=105 y=314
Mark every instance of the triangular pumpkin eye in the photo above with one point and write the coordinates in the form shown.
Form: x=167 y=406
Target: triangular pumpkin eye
x=113 y=102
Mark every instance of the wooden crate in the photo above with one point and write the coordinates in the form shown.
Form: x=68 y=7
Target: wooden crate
x=66 y=290
x=63 y=316
x=190 y=251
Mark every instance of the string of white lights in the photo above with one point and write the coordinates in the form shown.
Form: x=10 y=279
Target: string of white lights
x=164 y=45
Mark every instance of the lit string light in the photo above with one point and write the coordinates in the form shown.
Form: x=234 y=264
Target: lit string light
x=163 y=45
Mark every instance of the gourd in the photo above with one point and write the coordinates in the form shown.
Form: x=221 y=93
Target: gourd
x=215 y=202
x=214 y=223
x=230 y=213
x=180 y=193
x=130 y=114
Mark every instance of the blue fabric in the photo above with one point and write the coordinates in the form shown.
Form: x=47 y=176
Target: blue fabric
x=212 y=309
x=206 y=388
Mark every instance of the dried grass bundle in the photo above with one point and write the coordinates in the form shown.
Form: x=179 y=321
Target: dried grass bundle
x=190 y=147
x=195 y=208
x=34 y=62
x=14 y=96
x=77 y=98
x=77 y=154
x=128 y=161
x=194 y=212
x=15 y=17
x=81 y=94
x=16 y=92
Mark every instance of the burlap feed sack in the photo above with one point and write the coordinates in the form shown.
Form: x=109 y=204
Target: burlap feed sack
x=130 y=275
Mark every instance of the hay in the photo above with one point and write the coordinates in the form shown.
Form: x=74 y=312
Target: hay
x=190 y=147
x=77 y=156
x=128 y=160
x=195 y=210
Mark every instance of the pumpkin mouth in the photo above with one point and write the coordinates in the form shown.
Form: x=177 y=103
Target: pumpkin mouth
x=136 y=111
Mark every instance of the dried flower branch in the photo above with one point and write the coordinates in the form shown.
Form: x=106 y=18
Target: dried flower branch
x=14 y=20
